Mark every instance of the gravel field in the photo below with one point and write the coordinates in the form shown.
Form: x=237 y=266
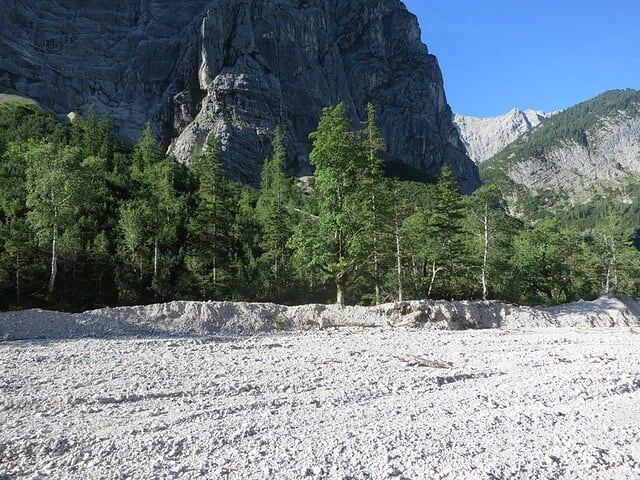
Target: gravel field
x=347 y=403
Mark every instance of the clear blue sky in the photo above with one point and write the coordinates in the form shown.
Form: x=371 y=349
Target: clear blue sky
x=545 y=54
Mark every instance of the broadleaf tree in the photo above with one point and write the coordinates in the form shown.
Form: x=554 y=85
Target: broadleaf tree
x=54 y=196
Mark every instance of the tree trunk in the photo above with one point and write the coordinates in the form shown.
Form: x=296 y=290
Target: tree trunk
x=415 y=274
x=214 y=260
x=434 y=273
x=156 y=254
x=54 y=258
x=376 y=261
x=340 y=287
x=339 y=294
x=614 y=264
x=485 y=254
x=17 y=279
x=399 y=259
x=376 y=268
x=611 y=279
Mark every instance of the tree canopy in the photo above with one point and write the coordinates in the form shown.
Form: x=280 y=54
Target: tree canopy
x=86 y=221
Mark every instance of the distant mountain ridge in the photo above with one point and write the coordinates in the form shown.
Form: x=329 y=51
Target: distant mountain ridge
x=589 y=151
x=485 y=137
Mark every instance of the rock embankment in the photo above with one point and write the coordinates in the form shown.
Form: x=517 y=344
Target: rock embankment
x=206 y=318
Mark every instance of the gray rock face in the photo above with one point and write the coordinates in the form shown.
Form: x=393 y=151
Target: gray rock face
x=236 y=68
x=484 y=137
x=124 y=57
x=610 y=157
x=589 y=151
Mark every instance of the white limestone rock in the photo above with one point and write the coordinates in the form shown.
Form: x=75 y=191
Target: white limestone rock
x=484 y=137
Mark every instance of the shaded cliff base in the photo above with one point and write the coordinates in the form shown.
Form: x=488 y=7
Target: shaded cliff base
x=207 y=318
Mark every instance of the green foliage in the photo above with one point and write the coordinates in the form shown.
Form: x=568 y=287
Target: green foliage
x=276 y=217
x=490 y=230
x=438 y=237
x=247 y=272
x=86 y=221
x=22 y=121
x=569 y=126
x=572 y=126
x=616 y=257
x=209 y=239
x=544 y=264
x=55 y=190
x=337 y=242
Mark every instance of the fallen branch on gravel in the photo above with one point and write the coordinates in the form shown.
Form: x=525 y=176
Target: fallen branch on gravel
x=349 y=325
x=416 y=361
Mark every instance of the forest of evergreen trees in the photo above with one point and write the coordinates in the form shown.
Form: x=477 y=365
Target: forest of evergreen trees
x=86 y=221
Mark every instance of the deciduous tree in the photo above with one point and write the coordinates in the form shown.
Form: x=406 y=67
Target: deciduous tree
x=55 y=191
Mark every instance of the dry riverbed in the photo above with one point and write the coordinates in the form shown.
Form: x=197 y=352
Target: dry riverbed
x=349 y=403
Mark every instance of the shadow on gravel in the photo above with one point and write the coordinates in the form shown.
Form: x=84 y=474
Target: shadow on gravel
x=140 y=337
x=459 y=377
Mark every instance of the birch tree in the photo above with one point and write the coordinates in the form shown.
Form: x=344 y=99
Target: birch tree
x=484 y=217
x=54 y=196
x=613 y=243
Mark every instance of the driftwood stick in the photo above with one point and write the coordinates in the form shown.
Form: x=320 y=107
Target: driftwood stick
x=416 y=361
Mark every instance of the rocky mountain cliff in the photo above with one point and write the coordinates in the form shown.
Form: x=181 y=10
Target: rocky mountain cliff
x=588 y=151
x=484 y=137
x=237 y=69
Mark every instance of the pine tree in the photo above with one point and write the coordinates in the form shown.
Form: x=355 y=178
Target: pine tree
x=146 y=152
x=376 y=209
x=275 y=214
x=19 y=253
x=247 y=282
x=150 y=220
x=333 y=242
x=447 y=232
x=209 y=227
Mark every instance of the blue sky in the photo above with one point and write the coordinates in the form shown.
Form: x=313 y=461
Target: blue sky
x=546 y=54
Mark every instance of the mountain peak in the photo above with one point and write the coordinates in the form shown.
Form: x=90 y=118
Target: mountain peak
x=485 y=137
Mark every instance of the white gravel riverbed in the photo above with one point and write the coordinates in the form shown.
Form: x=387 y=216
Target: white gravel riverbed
x=349 y=403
